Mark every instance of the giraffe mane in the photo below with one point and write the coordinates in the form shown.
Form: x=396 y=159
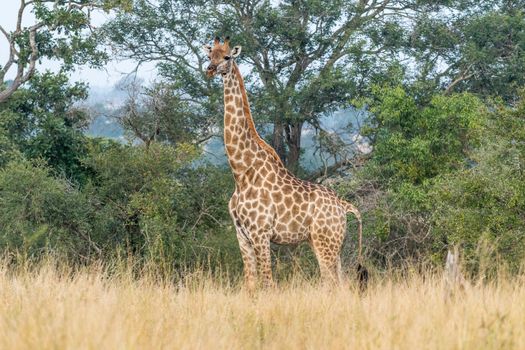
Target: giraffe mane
x=248 y=115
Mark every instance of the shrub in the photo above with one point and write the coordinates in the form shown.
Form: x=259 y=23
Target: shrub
x=159 y=205
x=483 y=207
x=41 y=214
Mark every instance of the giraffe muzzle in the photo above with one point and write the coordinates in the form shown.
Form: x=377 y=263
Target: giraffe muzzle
x=212 y=69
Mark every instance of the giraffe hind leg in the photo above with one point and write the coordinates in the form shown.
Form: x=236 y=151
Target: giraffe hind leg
x=330 y=270
x=327 y=251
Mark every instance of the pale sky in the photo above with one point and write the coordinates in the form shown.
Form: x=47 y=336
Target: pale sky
x=108 y=76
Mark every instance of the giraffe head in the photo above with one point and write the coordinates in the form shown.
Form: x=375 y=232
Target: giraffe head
x=221 y=57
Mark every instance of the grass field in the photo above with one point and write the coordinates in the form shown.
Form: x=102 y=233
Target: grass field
x=51 y=308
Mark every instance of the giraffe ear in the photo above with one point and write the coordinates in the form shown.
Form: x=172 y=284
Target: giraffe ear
x=207 y=49
x=236 y=51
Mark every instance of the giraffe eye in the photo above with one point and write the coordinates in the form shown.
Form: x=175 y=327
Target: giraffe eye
x=227 y=57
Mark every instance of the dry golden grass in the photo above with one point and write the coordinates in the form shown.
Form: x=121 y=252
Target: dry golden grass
x=50 y=308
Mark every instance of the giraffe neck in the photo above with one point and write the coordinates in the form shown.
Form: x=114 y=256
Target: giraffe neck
x=242 y=142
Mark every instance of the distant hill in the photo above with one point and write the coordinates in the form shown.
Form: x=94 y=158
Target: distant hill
x=105 y=126
x=103 y=102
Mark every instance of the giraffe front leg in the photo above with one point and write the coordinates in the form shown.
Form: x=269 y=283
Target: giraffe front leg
x=264 y=260
x=248 y=259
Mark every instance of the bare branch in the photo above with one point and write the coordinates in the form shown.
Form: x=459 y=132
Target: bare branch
x=464 y=75
x=22 y=75
x=26 y=59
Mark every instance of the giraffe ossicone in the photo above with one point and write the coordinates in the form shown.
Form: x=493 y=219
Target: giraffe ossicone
x=270 y=204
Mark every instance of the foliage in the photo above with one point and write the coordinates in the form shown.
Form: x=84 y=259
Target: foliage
x=149 y=203
x=479 y=48
x=483 y=207
x=175 y=29
x=159 y=206
x=304 y=58
x=415 y=143
x=157 y=113
x=42 y=121
x=61 y=31
x=449 y=172
x=40 y=213
x=8 y=151
x=94 y=198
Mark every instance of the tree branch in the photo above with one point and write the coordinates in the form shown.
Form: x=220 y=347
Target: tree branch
x=27 y=54
x=462 y=77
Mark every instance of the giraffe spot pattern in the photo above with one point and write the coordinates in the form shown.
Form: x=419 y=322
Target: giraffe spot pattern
x=269 y=203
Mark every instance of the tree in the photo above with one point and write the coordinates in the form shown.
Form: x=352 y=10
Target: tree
x=158 y=114
x=43 y=121
x=174 y=41
x=305 y=58
x=62 y=31
x=415 y=143
x=482 y=207
x=415 y=146
x=479 y=48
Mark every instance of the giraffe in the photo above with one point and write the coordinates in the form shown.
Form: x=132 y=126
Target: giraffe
x=269 y=203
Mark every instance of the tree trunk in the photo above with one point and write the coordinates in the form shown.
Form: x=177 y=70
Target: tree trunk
x=293 y=141
x=278 y=140
x=454 y=279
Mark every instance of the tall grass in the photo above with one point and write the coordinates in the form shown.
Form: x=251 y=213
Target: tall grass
x=50 y=306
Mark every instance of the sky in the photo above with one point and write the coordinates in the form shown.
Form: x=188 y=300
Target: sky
x=106 y=77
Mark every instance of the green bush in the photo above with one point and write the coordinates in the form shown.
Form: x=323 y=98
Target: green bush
x=42 y=122
x=450 y=172
x=160 y=206
x=414 y=143
x=41 y=214
x=483 y=207
x=151 y=204
x=8 y=151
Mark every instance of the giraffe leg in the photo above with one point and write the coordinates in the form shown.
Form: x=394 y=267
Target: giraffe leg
x=339 y=269
x=248 y=259
x=264 y=260
x=327 y=251
x=329 y=271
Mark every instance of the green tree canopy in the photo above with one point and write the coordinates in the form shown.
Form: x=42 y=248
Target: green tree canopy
x=415 y=143
x=61 y=31
x=478 y=47
x=43 y=121
x=304 y=58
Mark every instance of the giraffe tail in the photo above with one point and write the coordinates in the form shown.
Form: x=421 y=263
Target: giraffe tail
x=350 y=208
x=362 y=272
